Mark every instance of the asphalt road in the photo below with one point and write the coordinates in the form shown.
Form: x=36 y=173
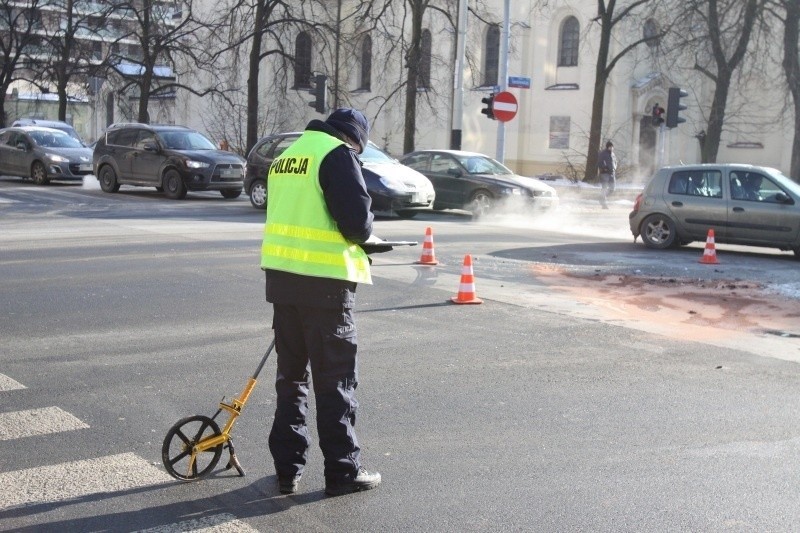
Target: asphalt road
x=121 y=314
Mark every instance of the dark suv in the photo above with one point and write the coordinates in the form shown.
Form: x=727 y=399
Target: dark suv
x=173 y=159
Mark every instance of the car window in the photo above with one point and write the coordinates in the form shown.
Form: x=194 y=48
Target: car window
x=124 y=137
x=264 y=149
x=753 y=187
x=143 y=138
x=282 y=145
x=417 y=162
x=706 y=183
x=440 y=164
x=186 y=140
x=54 y=139
x=5 y=137
x=373 y=154
x=476 y=164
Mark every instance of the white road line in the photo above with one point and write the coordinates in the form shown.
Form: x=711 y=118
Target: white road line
x=221 y=523
x=6 y=383
x=113 y=473
x=18 y=424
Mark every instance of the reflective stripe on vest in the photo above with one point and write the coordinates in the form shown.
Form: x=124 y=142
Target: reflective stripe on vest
x=300 y=235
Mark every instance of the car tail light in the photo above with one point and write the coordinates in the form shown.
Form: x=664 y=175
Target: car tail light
x=638 y=203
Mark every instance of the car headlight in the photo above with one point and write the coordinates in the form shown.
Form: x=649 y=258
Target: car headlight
x=197 y=164
x=510 y=190
x=55 y=158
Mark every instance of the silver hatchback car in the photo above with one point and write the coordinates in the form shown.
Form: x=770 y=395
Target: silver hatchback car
x=43 y=154
x=743 y=204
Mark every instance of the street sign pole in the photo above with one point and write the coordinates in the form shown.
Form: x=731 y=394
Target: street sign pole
x=458 y=81
x=504 y=39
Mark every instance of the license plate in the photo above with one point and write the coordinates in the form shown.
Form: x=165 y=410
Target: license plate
x=230 y=173
x=87 y=167
x=416 y=198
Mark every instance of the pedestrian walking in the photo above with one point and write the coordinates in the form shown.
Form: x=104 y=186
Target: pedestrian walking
x=318 y=216
x=607 y=168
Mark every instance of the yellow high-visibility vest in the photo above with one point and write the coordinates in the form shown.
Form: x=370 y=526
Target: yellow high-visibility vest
x=300 y=236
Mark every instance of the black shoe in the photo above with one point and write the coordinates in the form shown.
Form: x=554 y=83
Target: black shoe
x=362 y=481
x=287 y=484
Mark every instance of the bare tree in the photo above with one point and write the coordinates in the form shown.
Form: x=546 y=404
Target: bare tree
x=718 y=32
x=791 y=68
x=19 y=24
x=70 y=52
x=610 y=18
x=165 y=37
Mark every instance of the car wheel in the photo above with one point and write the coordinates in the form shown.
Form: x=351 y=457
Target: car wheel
x=258 y=195
x=480 y=203
x=173 y=185
x=407 y=214
x=231 y=193
x=658 y=231
x=39 y=173
x=108 y=179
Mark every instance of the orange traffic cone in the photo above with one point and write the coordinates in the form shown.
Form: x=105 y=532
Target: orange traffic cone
x=710 y=253
x=428 y=257
x=466 y=289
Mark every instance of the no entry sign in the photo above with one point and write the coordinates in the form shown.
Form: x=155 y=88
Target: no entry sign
x=504 y=106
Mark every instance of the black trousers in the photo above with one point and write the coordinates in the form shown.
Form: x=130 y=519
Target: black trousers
x=322 y=341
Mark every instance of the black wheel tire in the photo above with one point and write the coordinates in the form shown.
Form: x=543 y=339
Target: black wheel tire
x=176 y=451
x=406 y=215
x=108 y=179
x=658 y=232
x=230 y=194
x=258 y=194
x=39 y=173
x=173 y=185
x=480 y=203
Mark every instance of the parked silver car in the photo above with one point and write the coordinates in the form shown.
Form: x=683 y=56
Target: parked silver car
x=43 y=154
x=743 y=204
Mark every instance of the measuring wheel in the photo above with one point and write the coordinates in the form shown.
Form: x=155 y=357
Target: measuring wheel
x=177 y=450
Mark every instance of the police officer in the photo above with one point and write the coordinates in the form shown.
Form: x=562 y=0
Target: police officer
x=318 y=214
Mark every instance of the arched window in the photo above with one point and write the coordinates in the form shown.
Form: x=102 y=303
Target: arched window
x=425 y=60
x=650 y=31
x=568 y=43
x=491 y=55
x=302 y=61
x=366 y=63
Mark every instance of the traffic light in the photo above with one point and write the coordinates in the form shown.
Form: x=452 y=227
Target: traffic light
x=488 y=110
x=319 y=90
x=674 y=107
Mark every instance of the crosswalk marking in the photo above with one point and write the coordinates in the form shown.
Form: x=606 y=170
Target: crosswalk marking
x=18 y=424
x=221 y=523
x=113 y=473
x=6 y=383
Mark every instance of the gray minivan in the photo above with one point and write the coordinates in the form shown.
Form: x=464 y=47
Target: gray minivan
x=743 y=204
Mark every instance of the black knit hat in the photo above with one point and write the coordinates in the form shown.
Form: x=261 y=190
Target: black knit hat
x=352 y=123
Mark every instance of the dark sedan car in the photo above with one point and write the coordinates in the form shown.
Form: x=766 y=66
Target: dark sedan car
x=392 y=186
x=478 y=183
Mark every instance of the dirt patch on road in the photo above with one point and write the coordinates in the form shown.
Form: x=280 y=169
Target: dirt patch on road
x=689 y=309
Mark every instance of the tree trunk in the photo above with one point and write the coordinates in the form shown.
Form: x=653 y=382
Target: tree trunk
x=413 y=59
x=252 y=79
x=599 y=97
x=144 y=97
x=716 y=119
x=791 y=66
